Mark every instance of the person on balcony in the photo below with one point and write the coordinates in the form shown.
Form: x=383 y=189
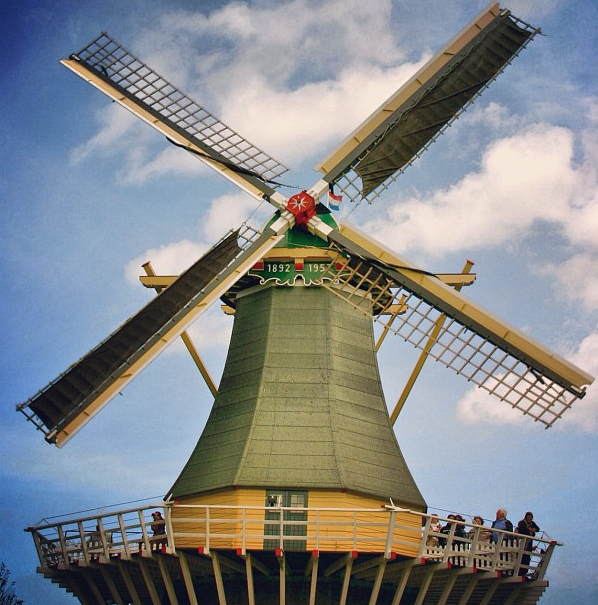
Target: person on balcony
x=501 y=522
x=158 y=539
x=458 y=532
x=435 y=528
x=158 y=525
x=527 y=527
x=484 y=535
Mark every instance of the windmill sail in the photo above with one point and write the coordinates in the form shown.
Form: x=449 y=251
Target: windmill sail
x=69 y=402
x=405 y=125
x=124 y=78
x=482 y=348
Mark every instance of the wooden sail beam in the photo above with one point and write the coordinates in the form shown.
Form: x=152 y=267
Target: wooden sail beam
x=187 y=339
x=424 y=355
x=394 y=103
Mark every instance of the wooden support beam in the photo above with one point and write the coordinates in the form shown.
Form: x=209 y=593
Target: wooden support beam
x=129 y=583
x=83 y=590
x=425 y=585
x=282 y=574
x=514 y=596
x=249 y=574
x=188 y=579
x=367 y=565
x=149 y=582
x=489 y=593
x=378 y=581
x=312 y=567
x=111 y=586
x=342 y=562
x=187 y=340
x=424 y=354
x=402 y=584
x=254 y=562
x=167 y=580
x=448 y=588
x=218 y=576
x=347 y=578
x=473 y=581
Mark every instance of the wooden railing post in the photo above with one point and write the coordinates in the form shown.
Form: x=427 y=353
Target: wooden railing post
x=169 y=531
x=389 y=534
x=545 y=560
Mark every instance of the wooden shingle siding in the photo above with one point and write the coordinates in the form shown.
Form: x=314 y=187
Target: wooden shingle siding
x=300 y=404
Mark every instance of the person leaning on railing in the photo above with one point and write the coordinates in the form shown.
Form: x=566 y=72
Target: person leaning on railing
x=158 y=525
x=527 y=527
x=435 y=527
x=501 y=522
x=484 y=534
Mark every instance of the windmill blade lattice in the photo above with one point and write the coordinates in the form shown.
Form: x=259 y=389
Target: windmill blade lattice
x=482 y=348
x=394 y=136
x=126 y=79
x=69 y=402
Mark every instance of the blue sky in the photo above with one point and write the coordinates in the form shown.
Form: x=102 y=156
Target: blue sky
x=89 y=193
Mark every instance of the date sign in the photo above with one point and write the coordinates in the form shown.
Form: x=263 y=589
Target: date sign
x=286 y=271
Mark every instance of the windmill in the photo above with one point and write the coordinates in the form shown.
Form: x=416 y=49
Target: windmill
x=299 y=425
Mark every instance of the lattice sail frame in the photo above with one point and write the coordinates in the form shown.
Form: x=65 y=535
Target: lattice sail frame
x=68 y=402
x=479 y=359
x=108 y=59
x=349 y=182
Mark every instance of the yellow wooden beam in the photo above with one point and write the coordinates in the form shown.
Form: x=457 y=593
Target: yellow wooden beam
x=436 y=290
x=147 y=267
x=423 y=356
x=485 y=18
x=236 y=272
x=172 y=133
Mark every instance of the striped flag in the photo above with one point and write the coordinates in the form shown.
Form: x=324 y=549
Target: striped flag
x=334 y=201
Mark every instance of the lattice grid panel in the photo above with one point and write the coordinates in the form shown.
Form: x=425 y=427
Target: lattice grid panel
x=349 y=182
x=447 y=340
x=70 y=390
x=105 y=56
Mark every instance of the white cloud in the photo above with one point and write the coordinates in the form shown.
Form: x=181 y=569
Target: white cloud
x=302 y=122
x=229 y=211
x=583 y=414
x=524 y=8
x=225 y=213
x=477 y=407
x=171 y=259
x=523 y=178
x=212 y=331
x=115 y=124
x=575 y=278
x=288 y=90
x=171 y=161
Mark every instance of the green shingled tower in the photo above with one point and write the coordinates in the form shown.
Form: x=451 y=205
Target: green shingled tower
x=300 y=404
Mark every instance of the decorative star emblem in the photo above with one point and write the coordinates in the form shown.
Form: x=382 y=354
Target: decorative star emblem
x=303 y=206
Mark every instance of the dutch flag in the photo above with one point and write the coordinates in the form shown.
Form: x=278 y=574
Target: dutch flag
x=334 y=201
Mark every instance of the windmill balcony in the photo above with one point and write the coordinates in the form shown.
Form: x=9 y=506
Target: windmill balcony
x=235 y=531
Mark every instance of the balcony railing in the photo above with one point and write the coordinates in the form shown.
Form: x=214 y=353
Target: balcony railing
x=389 y=530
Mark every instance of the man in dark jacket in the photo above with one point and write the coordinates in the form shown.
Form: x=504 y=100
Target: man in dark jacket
x=527 y=527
